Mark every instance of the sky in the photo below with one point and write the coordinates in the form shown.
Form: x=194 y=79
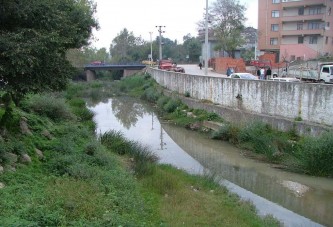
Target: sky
x=179 y=17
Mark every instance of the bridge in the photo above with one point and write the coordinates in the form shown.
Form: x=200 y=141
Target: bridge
x=127 y=68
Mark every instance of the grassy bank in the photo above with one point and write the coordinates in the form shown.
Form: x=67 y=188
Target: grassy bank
x=288 y=150
x=56 y=172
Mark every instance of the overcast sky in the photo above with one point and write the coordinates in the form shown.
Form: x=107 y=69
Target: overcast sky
x=141 y=16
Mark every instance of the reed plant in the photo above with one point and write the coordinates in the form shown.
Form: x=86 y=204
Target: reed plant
x=316 y=155
x=142 y=156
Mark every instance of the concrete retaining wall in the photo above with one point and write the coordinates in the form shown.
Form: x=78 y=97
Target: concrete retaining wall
x=278 y=103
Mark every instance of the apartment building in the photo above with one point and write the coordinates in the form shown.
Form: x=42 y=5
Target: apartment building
x=295 y=29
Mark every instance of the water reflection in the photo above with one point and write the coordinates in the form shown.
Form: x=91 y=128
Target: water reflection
x=144 y=126
x=311 y=197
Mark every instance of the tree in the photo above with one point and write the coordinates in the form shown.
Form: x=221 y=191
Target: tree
x=126 y=47
x=192 y=46
x=34 y=38
x=227 y=19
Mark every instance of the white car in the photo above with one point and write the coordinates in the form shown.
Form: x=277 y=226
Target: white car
x=247 y=76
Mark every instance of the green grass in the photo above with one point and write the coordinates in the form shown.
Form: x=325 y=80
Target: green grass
x=79 y=183
x=187 y=200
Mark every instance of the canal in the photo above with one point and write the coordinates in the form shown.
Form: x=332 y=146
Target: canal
x=296 y=200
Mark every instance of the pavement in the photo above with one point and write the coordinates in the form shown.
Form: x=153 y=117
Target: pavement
x=195 y=70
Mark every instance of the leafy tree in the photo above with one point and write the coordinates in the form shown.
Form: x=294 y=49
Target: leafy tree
x=247 y=54
x=34 y=38
x=83 y=56
x=227 y=20
x=192 y=46
x=127 y=48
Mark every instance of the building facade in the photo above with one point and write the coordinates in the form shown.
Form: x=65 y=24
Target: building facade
x=295 y=29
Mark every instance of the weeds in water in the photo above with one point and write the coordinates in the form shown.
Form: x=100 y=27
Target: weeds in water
x=224 y=133
x=316 y=155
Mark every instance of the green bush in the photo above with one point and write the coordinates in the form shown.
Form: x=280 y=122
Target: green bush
x=162 y=100
x=150 y=94
x=50 y=106
x=316 y=155
x=260 y=138
x=171 y=106
x=116 y=142
x=223 y=133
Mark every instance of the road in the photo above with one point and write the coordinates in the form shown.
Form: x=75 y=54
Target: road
x=195 y=70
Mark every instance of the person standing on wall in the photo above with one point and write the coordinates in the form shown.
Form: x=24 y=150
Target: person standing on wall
x=258 y=73
x=262 y=74
x=229 y=71
x=200 y=65
x=268 y=73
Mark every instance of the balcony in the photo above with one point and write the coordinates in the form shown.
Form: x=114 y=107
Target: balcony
x=308 y=17
x=305 y=3
x=302 y=32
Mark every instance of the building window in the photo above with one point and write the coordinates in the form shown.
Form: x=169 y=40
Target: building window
x=274 y=41
x=313 y=40
x=301 y=11
x=314 y=10
x=274 y=27
x=313 y=25
x=299 y=26
x=275 y=1
x=300 y=39
x=275 y=13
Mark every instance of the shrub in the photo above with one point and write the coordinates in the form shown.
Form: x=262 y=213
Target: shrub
x=53 y=108
x=115 y=141
x=171 y=106
x=316 y=155
x=223 y=133
x=212 y=117
x=162 y=101
x=150 y=94
x=258 y=137
x=187 y=94
x=142 y=155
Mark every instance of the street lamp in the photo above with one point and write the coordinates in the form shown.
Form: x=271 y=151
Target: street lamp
x=206 y=39
x=160 y=32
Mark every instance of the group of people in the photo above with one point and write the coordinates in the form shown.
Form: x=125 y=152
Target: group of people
x=264 y=74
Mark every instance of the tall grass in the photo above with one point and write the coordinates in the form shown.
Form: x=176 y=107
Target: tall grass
x=142 y=155
x=316 y=155
x=49 y=106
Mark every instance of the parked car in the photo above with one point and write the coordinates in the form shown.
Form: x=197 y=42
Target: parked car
x=170 y=66
x=286 y=79
x=247 y=76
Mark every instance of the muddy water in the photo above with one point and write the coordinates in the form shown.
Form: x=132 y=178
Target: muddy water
x=311 y=197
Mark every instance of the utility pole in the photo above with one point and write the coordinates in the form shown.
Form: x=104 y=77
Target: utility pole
x=206 y=39
x=151 y=48
x=160 y=31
